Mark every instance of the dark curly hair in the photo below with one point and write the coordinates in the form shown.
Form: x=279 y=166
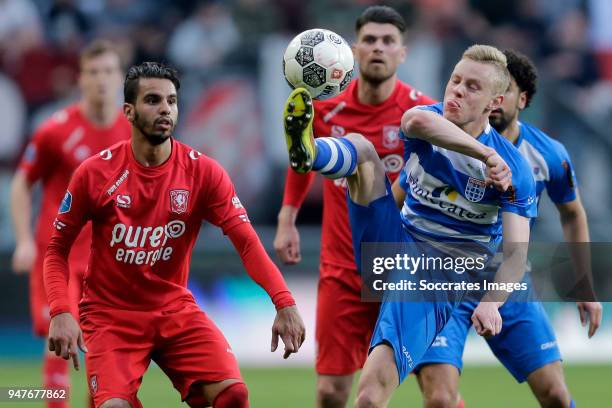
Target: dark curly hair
x=523 y=71
x=147 y=70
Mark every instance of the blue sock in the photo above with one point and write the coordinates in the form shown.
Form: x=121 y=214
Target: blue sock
x=336 y=157
x=572 y=404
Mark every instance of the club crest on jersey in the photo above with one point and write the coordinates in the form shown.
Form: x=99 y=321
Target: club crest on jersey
x=390 y=136
x=475 y=189
x=66 y=203
x=178 y=201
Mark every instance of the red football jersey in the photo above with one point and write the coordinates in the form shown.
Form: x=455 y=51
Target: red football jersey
x=57 y=148
x=380 y=124
x=145 y=223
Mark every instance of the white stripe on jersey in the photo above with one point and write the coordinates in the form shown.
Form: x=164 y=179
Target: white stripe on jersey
x=422 y=185
x=434 y=228
x=535 y=159
x=465 y=164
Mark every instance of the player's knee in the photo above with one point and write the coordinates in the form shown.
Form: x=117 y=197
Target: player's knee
x=365 y=148
x=370 y=395
x=367 y=398
x=233 y=396
x=555 y=396
x=116 y=403
x=440 y=398
x=333 y=393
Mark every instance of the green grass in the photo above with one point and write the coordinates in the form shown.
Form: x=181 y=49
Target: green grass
x=591 y=386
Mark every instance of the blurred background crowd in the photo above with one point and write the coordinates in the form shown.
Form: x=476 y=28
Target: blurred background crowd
x=229 y=55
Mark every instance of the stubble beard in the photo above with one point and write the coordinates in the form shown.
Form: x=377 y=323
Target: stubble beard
x=155 y=139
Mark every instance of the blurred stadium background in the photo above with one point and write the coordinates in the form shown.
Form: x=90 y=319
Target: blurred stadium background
x=229 y=54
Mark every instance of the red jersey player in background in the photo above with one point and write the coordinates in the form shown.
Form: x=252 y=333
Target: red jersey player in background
x=373 y=105
x=147 y=199
x=57 y=148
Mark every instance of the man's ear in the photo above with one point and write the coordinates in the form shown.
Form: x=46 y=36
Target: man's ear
x=522 y=100
x=128 y=111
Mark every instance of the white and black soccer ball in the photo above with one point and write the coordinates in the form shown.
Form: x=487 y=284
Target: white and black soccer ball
x=320 y=61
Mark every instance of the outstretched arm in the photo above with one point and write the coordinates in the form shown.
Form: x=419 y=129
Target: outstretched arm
x=288 y=323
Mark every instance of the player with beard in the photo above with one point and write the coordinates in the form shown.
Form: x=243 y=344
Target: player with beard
x=147 y=199
x=526 y=344
x=373 y=105
x=58 y=146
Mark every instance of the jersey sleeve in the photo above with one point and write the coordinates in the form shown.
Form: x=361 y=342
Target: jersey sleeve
x=561 y=185
x=435 y=108
x=297 y=187
x=38 y=158
x=520 y=197
x=259 y=266
x=73 y=213
x=222 y=207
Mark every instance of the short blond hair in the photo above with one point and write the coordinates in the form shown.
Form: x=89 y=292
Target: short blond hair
x=487 y=54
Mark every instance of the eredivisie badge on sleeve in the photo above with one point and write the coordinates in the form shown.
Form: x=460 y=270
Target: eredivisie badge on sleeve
x=475 y=189
x=178 y=201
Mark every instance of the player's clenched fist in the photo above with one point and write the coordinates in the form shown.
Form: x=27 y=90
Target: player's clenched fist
x=487 y=320
x=289 y=326
x=498 y=173
x=65 y=336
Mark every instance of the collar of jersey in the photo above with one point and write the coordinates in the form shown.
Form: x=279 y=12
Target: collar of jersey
x=152 y=171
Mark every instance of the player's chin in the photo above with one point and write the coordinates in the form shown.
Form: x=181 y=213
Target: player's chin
x=158 y=138
x=376 y=76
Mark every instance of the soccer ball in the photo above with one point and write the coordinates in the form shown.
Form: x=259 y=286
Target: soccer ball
x=320 y=61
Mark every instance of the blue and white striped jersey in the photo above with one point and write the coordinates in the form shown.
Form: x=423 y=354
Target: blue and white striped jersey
x=446 y=197
x=550 y=164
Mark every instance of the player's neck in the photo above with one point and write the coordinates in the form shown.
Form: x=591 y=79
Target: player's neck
x=476 y=127
x=147 y=154
x=99 y=114
x=369 y=93
x=512 y=131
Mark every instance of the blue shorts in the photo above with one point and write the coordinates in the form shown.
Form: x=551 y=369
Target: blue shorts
x=527 y=341
x=408 y=327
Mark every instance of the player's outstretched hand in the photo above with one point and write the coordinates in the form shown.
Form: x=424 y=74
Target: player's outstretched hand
x=287 y=239
x=590 y=312
x=289 y=326
x=65 y=337
x=498 y=173
x=487 y=320
x=23 y=257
